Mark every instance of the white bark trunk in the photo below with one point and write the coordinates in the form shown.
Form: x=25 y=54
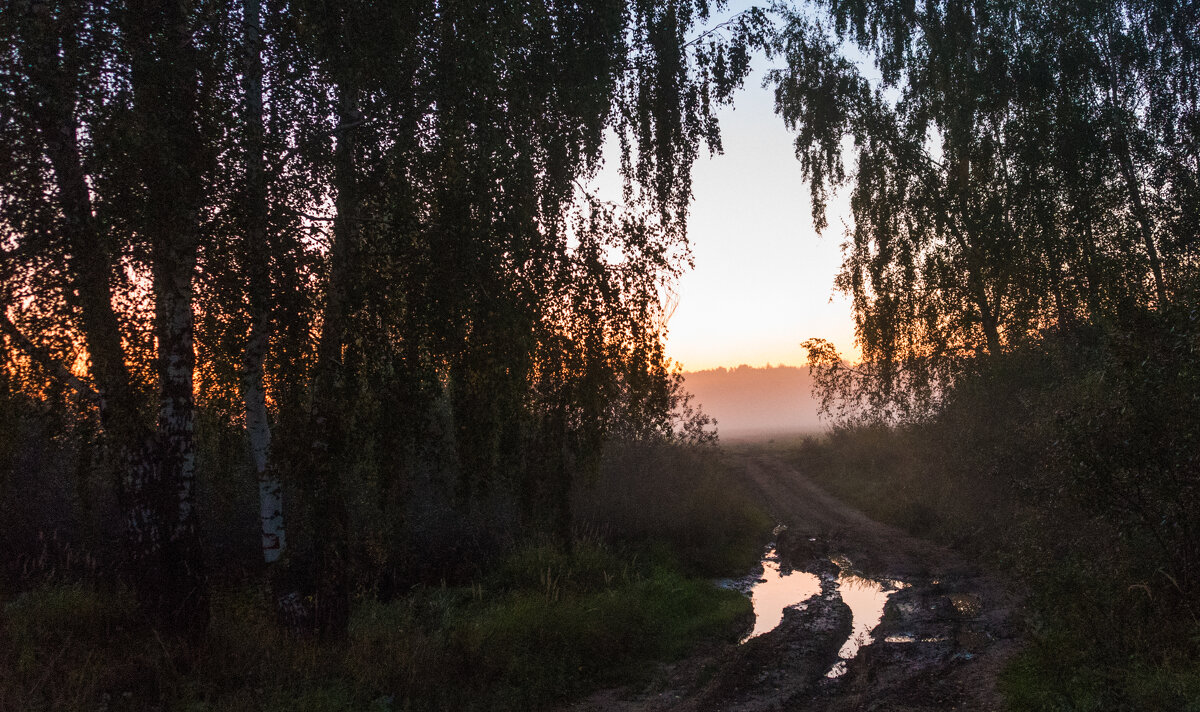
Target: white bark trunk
x=176 y=409
x=258 y=423
x=258 y=431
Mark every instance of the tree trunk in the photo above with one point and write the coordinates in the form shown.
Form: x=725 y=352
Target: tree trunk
x=1095 y=284
x=1129 y=172
x=151 y=517
x=975 y=283
x=185 y=594
x=166 y=95
x=258 y=424
x=330 y=516
x=258 y=433
x=1124 y=153
x=89 y=261
x=987 y=319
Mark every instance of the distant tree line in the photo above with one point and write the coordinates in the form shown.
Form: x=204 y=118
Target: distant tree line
x=350 y=237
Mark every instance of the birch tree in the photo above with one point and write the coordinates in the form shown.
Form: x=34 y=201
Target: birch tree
x=62 y=59
x=368 y=216
x=1011 y=177
x=258 y=244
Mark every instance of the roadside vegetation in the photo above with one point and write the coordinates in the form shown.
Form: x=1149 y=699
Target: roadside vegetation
x=532 y=625
x=1071 y=466
x=313 y=341
x=325 y=382
x=1021 y=260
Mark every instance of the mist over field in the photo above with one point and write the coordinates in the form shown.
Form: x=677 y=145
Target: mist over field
x=751 y=402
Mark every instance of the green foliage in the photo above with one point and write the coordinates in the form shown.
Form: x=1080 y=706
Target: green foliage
x=679 y=497
x=1024 y=304
x=867 y=466
x=1066 y=670
x=359 y=230
x=591 y=566
x=1069 y=464
x=48 y=616
x=523 y=638
x=543 y=644
x=1018 y=168
x=71 y=646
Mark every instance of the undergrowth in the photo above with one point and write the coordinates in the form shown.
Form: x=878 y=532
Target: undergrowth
x=1071 y=466
x=545 y=626
x=542 y=624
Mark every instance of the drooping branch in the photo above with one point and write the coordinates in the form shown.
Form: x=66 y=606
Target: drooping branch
x=44 y=359
x=749 y=12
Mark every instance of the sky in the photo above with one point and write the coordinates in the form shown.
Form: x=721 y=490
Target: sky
x=763 y=277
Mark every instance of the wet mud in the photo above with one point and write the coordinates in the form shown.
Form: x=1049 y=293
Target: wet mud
x=944 y=633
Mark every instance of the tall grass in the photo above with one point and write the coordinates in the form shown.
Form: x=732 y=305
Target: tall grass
x=539 y=625
x=1072 y=466
x=678 y=497
x=513 y=641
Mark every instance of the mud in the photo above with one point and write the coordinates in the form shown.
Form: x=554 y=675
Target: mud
x=782 y=666
x=944 y=636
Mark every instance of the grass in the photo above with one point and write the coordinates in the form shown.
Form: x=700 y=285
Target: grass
x=679 y=503
x=1106 y=627
x=539 y=626
x=883 y=472
x=1059 y=671
x=547 y=625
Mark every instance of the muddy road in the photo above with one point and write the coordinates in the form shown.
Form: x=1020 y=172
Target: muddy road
x=945 y=632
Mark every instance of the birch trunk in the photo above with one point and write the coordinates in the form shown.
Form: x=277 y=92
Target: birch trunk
x=129 y=444
x=1124 y=153
x=1129 y=172
x=987 y=318
x=167 y=105
x=176 y=439
x=976 y=287
x=258 y=424
x=258 y=433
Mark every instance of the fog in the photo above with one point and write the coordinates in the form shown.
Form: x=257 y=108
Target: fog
x=756 y=402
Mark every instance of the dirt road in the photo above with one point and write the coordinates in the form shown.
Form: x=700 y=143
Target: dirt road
x=941 y=644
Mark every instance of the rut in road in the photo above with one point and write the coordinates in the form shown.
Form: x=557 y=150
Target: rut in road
x=941 y=644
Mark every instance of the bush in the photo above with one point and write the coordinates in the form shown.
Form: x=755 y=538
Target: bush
x=1072 y=463
x=680 y=497
x=545 y=624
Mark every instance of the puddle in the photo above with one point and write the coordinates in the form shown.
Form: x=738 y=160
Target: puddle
x=778 y=588
x=774 y=591
x=866 y=599
x=967 y=605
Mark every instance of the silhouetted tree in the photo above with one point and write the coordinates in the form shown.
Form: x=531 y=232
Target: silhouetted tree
x=1019 y=169
x=354 y=233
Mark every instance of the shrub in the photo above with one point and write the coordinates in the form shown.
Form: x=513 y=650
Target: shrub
x=678 y=496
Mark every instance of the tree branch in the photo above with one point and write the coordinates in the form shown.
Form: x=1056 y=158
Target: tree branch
x=717 y=28
x=45 y=360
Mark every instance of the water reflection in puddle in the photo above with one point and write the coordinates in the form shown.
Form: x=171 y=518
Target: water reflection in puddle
x=779 y=588
x=866 y=599
x=906 y=638
x=774 y=591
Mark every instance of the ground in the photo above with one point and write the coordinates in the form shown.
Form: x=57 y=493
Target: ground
x=955 y=621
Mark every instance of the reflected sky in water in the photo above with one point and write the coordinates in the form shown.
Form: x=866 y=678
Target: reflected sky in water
x=866 y=599
x=776 y=591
